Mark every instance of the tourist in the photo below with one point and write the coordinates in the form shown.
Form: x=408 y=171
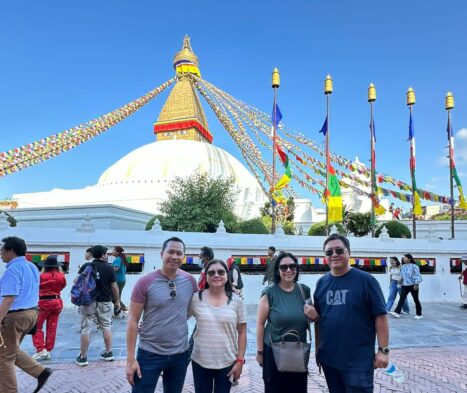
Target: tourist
x=88 y=254
x=164 y=296
x=52 y=281
x=206 y=254
x=395 y=281
x=235 y=276
x=282 y=307
x=120 y=265
x=101 y=309
x=463 y=277
x=220 y=339
x=269 y=270
x=19 y=292
x=352 y=313
x=411 y=280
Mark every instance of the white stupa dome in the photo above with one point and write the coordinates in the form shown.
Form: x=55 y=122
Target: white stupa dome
x=140 y=179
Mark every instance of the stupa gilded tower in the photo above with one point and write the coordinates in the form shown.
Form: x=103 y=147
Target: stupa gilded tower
x=182 y=116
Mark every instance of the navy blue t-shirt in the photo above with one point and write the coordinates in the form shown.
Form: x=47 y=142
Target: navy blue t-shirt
x=348 y=306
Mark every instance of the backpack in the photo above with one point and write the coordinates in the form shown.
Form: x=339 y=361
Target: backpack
x=84 y=290
x=230 y=275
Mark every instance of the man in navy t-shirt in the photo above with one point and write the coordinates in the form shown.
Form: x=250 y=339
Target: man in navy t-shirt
x=352 y=313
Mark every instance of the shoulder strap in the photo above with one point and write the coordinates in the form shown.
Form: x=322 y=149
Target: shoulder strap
x=302 y=294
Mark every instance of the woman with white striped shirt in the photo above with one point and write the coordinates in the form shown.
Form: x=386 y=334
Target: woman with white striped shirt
x=220 y=338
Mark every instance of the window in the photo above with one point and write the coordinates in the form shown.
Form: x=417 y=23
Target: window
x=62 y=257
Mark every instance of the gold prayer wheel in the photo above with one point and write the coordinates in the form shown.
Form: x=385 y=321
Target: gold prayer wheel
x=371 y=93
x=276 y=79
x=449 y=101
x=410 y=97
x=328 y=85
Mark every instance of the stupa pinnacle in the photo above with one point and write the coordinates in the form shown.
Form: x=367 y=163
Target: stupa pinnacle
x=182 y=116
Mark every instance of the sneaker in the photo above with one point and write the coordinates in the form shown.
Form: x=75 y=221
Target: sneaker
x=418 y=317
x=40 y=355
x=405 y=312
x=42 y=378
x=47 y=356
x=394 y=314
x=107 y=356
x=81 y=361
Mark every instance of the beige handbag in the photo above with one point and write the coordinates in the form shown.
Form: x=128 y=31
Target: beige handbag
x=292 y=356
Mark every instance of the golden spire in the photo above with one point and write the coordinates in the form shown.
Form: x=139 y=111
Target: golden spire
x=186 y=61
x=182 y=116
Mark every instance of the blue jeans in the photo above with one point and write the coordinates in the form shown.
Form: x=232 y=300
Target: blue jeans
x=340 y=381
x=393 y=291
x=152 y=365
x=204 y=379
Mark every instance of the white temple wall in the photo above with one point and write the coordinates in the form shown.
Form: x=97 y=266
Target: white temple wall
x=440 y=286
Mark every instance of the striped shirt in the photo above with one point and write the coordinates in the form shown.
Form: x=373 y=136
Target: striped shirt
x=216 y=336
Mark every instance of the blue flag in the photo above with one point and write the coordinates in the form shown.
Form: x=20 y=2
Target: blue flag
x=373 y=130
x=324 y=128
x=411 y=129
x=278 y=115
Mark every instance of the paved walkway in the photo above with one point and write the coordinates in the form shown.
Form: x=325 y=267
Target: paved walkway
x=432 y=352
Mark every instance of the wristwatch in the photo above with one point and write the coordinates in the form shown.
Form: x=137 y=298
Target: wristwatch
x=385 y=350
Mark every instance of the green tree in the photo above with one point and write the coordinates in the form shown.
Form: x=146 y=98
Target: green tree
x=319 y=229
x=358 y=223
x=11 y=220
x=198 y=203
x=395 y=229
x=255 y=225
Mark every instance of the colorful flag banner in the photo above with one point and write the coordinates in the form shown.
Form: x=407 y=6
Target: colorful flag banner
x=333 y=197
x=462 y=202
x=378 y=208
x=417 y=208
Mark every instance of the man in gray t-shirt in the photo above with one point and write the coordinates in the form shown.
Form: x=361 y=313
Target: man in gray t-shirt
x=161 y=298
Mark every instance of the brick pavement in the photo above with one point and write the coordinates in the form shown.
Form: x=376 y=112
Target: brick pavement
x=427 y=370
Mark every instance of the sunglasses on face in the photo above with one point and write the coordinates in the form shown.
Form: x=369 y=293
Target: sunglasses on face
x=172 y=287
x=339 y=251
x=284 y=268
x=212 y=273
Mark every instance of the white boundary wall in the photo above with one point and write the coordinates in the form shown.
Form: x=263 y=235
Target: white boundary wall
x=441 y=286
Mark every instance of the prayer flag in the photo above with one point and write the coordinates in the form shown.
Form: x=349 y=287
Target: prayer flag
x=417 y=208
x=276 y=115
x=333 y=197
x=324 y=128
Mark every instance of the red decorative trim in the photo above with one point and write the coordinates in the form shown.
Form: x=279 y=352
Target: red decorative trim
x=183 y=125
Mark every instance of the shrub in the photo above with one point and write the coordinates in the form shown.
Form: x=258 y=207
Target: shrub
x=319 y=229
x=395 y=229
x=255 y=225
x=358 y=223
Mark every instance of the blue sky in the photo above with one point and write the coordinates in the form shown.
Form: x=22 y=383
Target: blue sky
x=64 y=63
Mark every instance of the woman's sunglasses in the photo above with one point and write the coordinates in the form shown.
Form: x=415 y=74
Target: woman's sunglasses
x=339 y=251
x=284 y=268
x=212 y=273
x=172 y=287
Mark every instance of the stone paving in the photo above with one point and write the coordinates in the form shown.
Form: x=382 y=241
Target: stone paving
x=432 y=352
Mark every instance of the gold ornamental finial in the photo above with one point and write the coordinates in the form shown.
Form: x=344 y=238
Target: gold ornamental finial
x=185 y=61
x=276 y=78
x=371 y=93
x=328 y=85
x=410 y=97
x=449 y=101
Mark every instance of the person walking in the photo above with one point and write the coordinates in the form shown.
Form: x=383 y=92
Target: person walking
x=161 y=298
x=395 y=282
x=120 y=265
x=101 y=309
x=352 y=314
x=19 y=293
x=269 y=272
x=206 y=254
x=282 y=309
x=52 y=281
x=411 y=280
x=235 y=276
x=220 y=339
x=463 y=277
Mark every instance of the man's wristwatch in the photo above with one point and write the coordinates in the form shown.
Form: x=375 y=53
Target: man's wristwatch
x=384 y=350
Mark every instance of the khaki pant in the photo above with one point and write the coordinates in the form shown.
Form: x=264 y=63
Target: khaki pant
x=15 y=326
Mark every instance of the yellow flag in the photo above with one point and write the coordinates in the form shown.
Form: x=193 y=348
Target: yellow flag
x=335 y=208
x=417 y=207
x=462 y=203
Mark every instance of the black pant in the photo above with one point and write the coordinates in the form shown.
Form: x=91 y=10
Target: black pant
x=339 y=381
x=204 y=378
x=276 y=381
x=404 y=293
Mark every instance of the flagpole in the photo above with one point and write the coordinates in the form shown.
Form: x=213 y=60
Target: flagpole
x=411 y=103
x=275 y=85
x=371 y=99
x=327 y=92
x=449 y=104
